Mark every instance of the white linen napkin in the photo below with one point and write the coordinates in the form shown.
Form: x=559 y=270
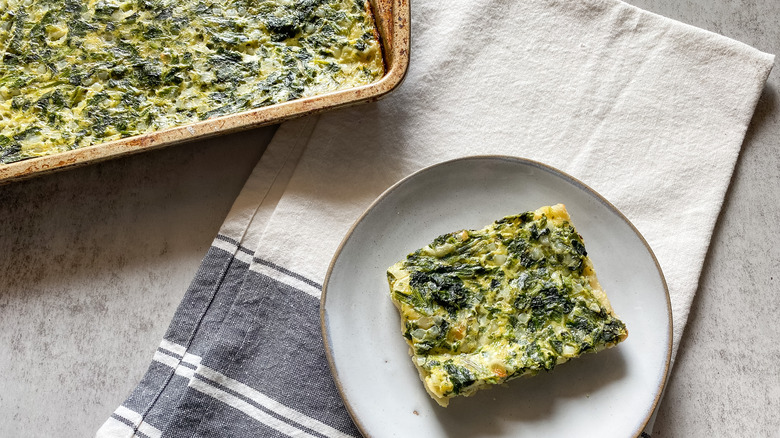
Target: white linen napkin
x=649 y=112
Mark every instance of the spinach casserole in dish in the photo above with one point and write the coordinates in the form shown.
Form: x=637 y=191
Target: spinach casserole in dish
x=76 y=73
x=481 y=307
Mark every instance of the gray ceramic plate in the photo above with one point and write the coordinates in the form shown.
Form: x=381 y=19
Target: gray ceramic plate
x=609 y=394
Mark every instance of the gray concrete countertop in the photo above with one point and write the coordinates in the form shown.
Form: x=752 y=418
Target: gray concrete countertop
x=95 y=260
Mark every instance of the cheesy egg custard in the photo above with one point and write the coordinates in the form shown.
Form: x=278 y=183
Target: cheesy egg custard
x=75 y=73
x=480 y=307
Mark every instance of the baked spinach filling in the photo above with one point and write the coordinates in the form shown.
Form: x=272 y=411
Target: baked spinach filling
x=75 y=73
x=511 y=299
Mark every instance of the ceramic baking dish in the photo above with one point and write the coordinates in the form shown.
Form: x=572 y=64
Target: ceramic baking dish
x=392 y=19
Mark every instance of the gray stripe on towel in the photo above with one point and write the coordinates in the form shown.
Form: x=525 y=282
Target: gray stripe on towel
x=271 y=342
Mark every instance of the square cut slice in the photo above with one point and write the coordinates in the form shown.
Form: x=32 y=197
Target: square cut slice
x=480 y=307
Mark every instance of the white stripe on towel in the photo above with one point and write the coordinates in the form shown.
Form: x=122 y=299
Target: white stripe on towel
x=213 y=381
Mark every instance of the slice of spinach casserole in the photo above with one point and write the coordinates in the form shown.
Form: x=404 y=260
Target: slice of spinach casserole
x=480 y=307
x=75 y=73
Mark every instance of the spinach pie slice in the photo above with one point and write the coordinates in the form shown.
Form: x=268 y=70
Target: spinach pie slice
x=481 y=307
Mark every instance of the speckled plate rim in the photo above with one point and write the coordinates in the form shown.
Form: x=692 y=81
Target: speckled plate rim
x=544 y=167
x=393 y=22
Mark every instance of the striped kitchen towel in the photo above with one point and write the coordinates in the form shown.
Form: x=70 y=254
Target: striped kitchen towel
x=243 y=355
x=649 y=112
